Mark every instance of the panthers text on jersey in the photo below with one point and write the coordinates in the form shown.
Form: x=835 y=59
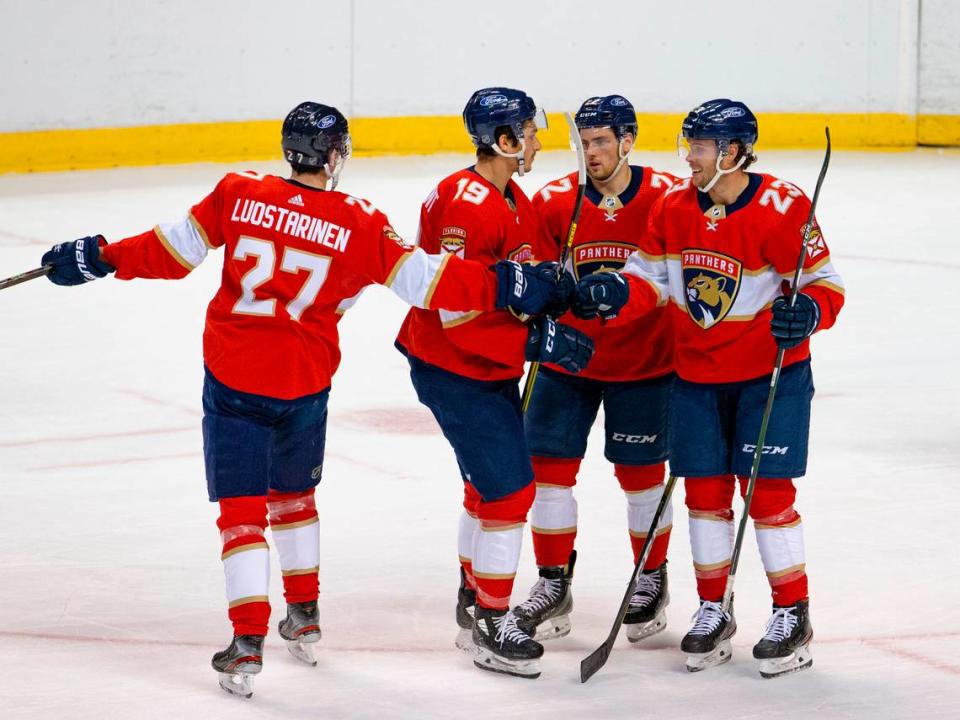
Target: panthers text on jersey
x=466 y=215
x=720 y=267
x=608 y=232
x=295 y=259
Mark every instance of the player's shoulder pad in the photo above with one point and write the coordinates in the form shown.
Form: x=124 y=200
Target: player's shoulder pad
x=361 y=206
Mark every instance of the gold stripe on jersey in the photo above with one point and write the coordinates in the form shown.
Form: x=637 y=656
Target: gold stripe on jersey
x=553 y=531
x=457 y=318
x=436 y=281
x=827 y=284
x=711 y=566
x=200 y=231
x=764 y=526
x=396 y=268
x=170 y=249
x=499 y=528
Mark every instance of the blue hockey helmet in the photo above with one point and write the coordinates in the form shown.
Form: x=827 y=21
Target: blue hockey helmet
x=316 y=135
x=722 y=120
x=612 y=111
x=491 y=108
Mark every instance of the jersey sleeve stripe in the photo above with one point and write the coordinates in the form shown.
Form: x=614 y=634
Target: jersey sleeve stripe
x=449 y=319
x=200 y=231
x=183 y=242
x=436 y=280
x=414 y=278
x=827 y=284
x=348 y=303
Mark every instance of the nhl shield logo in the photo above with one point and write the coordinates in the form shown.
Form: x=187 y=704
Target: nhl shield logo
x=711 y=282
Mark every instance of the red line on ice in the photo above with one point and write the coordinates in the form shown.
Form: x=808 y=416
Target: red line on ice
x=96 y=436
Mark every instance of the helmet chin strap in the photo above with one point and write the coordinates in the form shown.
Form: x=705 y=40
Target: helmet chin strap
x=720 y=173
x=334 y=172
x=623 y=158
x=518 y=156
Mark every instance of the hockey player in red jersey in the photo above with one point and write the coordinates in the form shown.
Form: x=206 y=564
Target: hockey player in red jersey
x=630 y=374
x=296 y=256
x=719 y=253
x=465 y=368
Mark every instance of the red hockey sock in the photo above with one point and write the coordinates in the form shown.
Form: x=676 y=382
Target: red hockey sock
x=710 y=500
x=497 y=551
x=644 y=486
x=294 y=525
x=553 y=518
x=246 y=563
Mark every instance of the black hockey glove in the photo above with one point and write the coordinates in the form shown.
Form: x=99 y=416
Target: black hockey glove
x=601 y=294
x=77 y=262
x=552 y=342
x=790 y=326
x=563 y=292
x=525 y=289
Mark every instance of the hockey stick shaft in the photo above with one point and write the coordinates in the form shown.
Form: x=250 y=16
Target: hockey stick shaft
x=577 y=145
x=774 y=381
x=598 y=658
x=23 y=277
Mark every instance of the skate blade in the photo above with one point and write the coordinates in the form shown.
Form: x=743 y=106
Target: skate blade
x=464 y=641
x=641 y=631
x=486 y=660
x=302 y=648
x=800 y=659
x=718 y=656
x=238 y=683
x=555 y=627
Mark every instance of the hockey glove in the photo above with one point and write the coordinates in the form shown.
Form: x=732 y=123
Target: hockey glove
x=790 y=326
x=563 y=292
x=77 y=262
x=525 y=289
x=553 y=342
x=601 y=294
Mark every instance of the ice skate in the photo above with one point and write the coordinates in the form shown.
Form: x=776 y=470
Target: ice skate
x=647 y=612
x=301 y=629
x=708 y=642
x=502 y=646
x=545 y=615
x=785 y=646
x=238 y=664
x=466 y=603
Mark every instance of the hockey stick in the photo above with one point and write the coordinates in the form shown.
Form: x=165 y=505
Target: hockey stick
x=774 y=380
x=576 y=144
x=598 y=658
x=23 y=277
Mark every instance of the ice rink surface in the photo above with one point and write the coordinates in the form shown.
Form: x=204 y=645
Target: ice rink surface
x=111 y=598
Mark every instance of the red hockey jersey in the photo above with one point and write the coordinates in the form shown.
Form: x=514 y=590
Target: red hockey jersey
x=295 y=259
x=720 y=267
x=466 y=215
x=608 y=232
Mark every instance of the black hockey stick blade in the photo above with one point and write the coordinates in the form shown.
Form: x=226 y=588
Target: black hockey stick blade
x=598 y=658
x=23 y=277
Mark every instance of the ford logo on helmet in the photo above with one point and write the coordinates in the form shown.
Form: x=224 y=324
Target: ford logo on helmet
x=492 y=100
x=618 y=101
x=327 y=121
x=732 y=112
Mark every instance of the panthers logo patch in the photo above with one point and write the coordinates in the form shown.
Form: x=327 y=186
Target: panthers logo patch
x=600 y=256
x=452 y=240
x=711 y=283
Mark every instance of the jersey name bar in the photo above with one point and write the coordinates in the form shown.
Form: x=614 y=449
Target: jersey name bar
x=298 y=225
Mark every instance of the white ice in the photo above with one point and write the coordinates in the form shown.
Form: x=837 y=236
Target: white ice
x=111 y=598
